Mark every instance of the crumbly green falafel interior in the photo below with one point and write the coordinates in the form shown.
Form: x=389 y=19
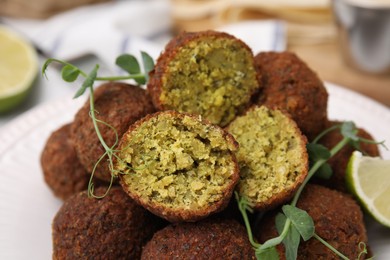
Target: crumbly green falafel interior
x=211 y=76
x=177 y=161
x=270 y=153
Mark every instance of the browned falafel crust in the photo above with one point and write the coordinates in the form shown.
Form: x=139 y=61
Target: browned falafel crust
x=208 y=73
x=338 y=220
x=208 y=239
x=117 y=104
x=62 y=170
x=339 y=162
x=289 y=84
x=114 y=227
x=178 y=166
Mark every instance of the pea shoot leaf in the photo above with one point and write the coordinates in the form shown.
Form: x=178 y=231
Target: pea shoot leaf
x=88 y=82
x=128 y=63
x=324 y=172
x=269 y=254
x=292 y=239
x=317 y=152
x=148 y=64
x=70 y=73
x=349 y=130
x=301 y=220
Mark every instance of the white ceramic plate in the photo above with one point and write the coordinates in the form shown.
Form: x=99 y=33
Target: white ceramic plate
x=27 y=206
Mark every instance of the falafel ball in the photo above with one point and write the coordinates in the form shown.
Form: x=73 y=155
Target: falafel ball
x=272 y=156
x=114 y=227
x=339 y=161
x=289 y=84
x=337 y=218
x=178 y=166
x=62 y=170
x=117 y=104
x=208 y=239
x=207 y=73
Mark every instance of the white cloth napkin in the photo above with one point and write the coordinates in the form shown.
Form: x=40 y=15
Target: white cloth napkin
x=105 y=30
x=110 y=29
x=260 y=35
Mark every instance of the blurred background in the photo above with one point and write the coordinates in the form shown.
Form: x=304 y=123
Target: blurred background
x=85 y=32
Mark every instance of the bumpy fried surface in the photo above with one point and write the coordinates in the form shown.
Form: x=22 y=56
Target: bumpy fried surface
x=114 y=227
x=272 y=156
x=62 y=170
x=289 y=84
x=178 y=166
x=338 y=220
x=116 y=104
x=211 y=239
x=207 y=73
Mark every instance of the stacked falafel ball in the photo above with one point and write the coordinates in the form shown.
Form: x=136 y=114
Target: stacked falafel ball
x=214 y=119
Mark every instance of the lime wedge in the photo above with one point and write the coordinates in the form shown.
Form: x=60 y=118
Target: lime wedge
x=18 y=68
x=368 y=178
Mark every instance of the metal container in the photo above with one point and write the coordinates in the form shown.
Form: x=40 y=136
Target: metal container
x=364 y=32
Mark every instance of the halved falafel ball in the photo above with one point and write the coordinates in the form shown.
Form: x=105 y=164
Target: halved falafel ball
x=339 y=161
x=178 y=166
x=114 y=227
x=289 y=84
x=117 y=104
x=62 y=170
x=272 y=156
x=208 y=73
x=337 y=218
x=208 y=239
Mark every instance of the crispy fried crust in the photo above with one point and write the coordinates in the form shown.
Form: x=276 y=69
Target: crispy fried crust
x=210 y=239
x=110 y=228
x=62 y=170
x=117 y=104
x=289 y=84
x=173 y=214
x=155 y=85
x=338 y=220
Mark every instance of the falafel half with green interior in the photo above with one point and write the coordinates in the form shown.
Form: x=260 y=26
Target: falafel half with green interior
x=208 y=73
x=178 y=166
x=272 y=156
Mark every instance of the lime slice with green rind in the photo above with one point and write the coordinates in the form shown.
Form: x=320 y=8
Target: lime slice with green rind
x=368 y=178
x=18 y=68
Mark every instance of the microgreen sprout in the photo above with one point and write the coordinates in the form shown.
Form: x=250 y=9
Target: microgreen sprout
x=70 y=73
x=293 y=223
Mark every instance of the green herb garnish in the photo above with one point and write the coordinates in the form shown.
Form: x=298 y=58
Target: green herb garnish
x=294 y=223
x=70 y=73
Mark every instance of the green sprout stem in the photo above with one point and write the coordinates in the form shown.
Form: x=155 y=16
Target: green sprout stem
x=281 y=237
x=243 y=208
x=84 y=74
x=330 y=247
x=325 y=132
x=316 y=166
x=132 y=76
x=277 y=240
